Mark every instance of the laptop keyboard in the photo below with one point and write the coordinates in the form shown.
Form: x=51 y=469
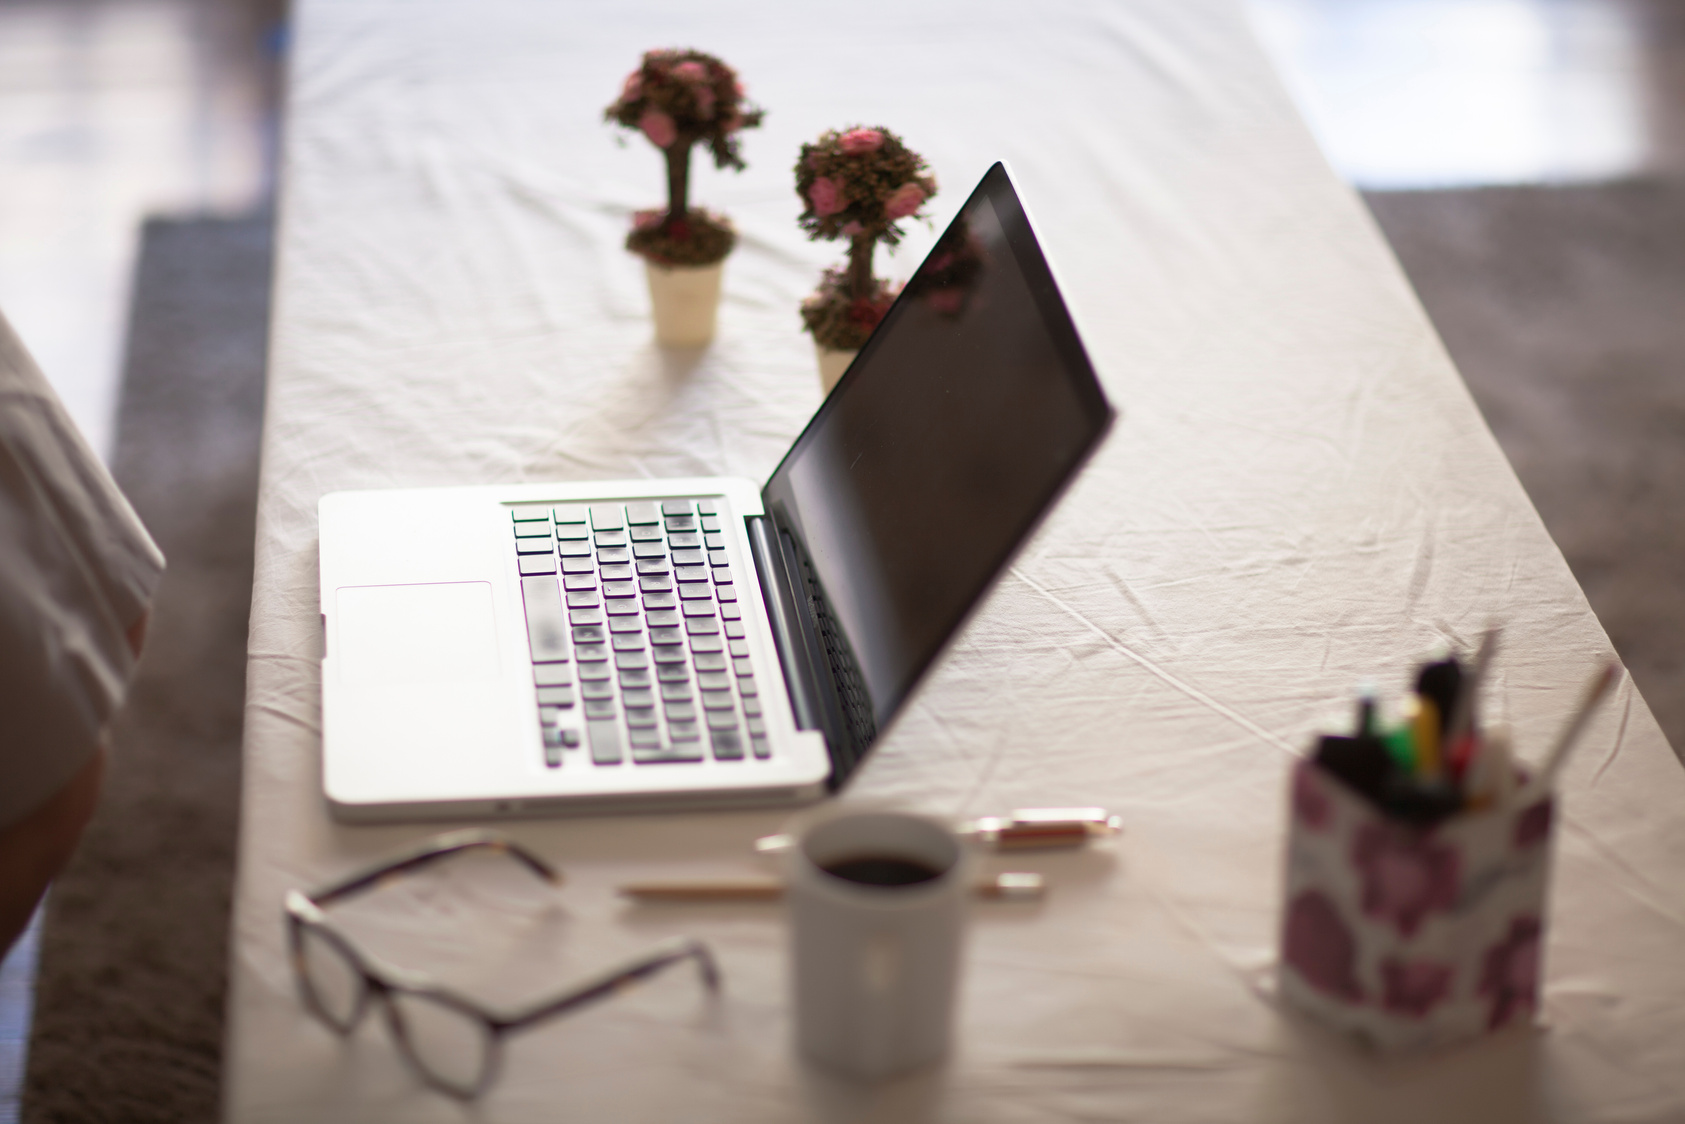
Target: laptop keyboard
x=637 y=641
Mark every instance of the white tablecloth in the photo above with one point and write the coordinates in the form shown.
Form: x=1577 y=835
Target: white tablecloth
x=1300 y=495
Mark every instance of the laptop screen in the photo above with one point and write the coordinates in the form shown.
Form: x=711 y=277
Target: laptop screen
x=956 y=427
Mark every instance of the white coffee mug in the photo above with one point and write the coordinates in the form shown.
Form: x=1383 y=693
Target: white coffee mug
x=875 y=963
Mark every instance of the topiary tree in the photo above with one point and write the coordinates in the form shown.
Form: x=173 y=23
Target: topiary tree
x=857 y=184
x=679 y=99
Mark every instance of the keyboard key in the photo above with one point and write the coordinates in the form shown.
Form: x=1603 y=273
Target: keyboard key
x=673 y=673
x=533 y=546
x=660 y=601
x=741 y=667
x=757 y=726
x=638 y=713
x=718 y=558
x=665 y=636
x=662 y=618
x=681 y=523
x=712 y=680
x=728 y=744
x=681 y=754
x=646 y=534
x=591 y=653
x=577 y=565
x=716 y=700
x=708 y=507
x=654 y=565
x=649 y=551
x=586 y=616
x=746 y=686
x=606 y=517
x=568 y=513
x=551 y=675
x=710 y=661
x=639 y=697
x=547 y=630
x=655 y=583
x=731 y=612
x=691 y=573
x=683 y=731
x=603 y=690
x=722 y=575
x=710 y=522
x=725 y=592
x=614 y=554
x=551 y=715
x=702 y=626
x=679 y=539
x=628 y=641
x=610 y=538
x=762 y=748
x=605 y=742
x=623 y=607
x=631 y=661
x=675 y=692
x=625 y=624
x=670 y=654
x=535 y=564
x=552 y=756
x=714 y=542
x=643 y=739
x=693 y=590
x=639 y=678
x=619 y=589
x=689 y=558
x=555 y=696
x=570 y=738
x=721 y=719
x=573 y=532
x=735 y=630
x=617 y=573
x=592 y=672
x=681 y=712
x=675 y=507
x=752 y=707
x=599 y=708
x=739 y=647
x=698 y=608
x=574 y=549
x=530 y=512
x=705 y=644
x=580 y=581
x=638 y=514
x=536 y=530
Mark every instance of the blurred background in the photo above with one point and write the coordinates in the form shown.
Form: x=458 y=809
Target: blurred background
x=1523 y=157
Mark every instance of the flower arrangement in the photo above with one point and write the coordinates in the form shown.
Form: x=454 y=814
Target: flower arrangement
x=859 y=184
x=678 y=99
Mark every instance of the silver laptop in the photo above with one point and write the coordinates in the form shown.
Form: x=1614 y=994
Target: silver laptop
x=594 y=646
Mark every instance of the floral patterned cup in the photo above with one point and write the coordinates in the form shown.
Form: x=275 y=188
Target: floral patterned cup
x=1409 y=937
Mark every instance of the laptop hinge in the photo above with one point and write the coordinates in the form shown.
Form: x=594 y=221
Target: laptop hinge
x=783 y=604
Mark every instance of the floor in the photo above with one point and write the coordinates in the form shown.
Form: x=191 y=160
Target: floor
x=111 y=110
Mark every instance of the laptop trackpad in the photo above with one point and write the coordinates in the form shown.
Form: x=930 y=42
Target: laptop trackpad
x=444 y=633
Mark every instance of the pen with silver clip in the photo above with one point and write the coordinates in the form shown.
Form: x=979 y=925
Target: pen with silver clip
x=1022 y=830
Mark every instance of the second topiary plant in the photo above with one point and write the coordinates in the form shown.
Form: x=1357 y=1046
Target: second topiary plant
x=679 y=99
x=858 y=184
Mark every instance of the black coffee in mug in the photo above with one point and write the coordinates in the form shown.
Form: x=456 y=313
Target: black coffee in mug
x=881 y=870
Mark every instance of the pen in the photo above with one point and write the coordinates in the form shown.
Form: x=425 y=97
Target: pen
x=1596 y=688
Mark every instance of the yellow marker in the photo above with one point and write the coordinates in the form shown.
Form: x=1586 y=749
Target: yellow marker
x=1428 y=765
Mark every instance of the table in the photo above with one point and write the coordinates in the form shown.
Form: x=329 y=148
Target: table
x=1300 y=495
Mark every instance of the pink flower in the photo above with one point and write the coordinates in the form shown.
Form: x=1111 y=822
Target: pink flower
x=857 y=141
x=691 y=71
x=704 y=96
x=825 y=197
x=1413 y=987
x=1319 y=946
x=1406 y=875
x=906 y=199
x=658 y=127
x=853 y=228
x=647 y=220
x=633 y=86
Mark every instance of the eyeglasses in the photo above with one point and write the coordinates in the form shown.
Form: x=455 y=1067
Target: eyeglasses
x=451 y=1042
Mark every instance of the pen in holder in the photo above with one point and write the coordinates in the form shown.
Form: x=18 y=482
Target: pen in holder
x=1417 y=865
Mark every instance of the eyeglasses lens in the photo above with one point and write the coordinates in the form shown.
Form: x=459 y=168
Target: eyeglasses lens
x=448 y=1043
x=334 y=982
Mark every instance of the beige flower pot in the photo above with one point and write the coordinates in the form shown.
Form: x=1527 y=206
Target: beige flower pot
x=686 y=302
x=832 y=364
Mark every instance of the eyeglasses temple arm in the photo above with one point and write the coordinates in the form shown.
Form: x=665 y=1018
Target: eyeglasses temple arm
x=615 y=979
x=430 y=851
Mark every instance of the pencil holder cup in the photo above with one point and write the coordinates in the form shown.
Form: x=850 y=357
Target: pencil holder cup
x=1410 y=937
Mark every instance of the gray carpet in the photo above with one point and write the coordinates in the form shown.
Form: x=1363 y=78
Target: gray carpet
x=129 y=1000
x=1564 y=308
